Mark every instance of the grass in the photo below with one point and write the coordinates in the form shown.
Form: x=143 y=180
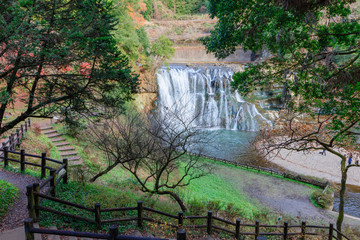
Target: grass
x=88 y=195
x=8 y=194
x=224 y=191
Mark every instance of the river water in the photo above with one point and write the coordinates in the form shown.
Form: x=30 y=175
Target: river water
x=231 y=121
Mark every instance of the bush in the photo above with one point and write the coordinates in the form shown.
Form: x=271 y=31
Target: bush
x=323 y=199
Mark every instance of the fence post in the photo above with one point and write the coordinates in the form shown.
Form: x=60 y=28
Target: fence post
x=140 y=213
x=257 y=229
x=26 y=126
x=28 y=225
x=285 y=230
x=11 y=141
x=6 y=157
x=52 y=183
x=180 y=219
x=36 y=189
x=43 y=165
x=331 y=231
x=209 y=222
x=181 y=234
x=97 y=215
x=22 y=130
x=22 y=160
x=30 y=199
x=29 y=123
x=237 y=229
x=113 y=232
x=65 y=178
x=303 y=230
x=17 y=137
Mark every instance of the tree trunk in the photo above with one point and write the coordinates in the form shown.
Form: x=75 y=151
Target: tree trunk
x=177 y=199
x=342 y=196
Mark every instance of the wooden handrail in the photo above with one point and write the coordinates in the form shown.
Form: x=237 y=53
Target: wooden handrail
x=118 y=209
x=54 y=199
x=160 y=212
x=46 y=209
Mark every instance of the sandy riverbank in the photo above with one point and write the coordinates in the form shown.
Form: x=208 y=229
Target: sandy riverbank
x=316 y=165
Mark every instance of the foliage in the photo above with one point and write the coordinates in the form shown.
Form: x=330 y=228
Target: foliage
x=8 y=194
x=315 y=54
x=60 y=56
x=324 y=199
x=177 y=7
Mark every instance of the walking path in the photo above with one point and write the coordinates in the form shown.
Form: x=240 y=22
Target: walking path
x=316 y=165
x=18 y=213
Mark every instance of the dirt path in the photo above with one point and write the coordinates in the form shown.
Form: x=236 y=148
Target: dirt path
x=287 y=197
x=18 y=213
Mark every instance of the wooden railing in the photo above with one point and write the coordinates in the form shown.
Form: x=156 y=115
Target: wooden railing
x=14 y=139
x=298 y=178
x=113 y=233
x=143 y=214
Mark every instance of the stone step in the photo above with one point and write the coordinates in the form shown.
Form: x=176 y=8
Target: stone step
x=53 y=135
x=46 y=128
x=77 y=157
x=58 y=139
x=60 y=144
x=50 y=131
x=14 y=234
x=75 y=163
x=69 y=153
x=53 y=237
x=66 y=148
x=72 y=238
x=36 y=235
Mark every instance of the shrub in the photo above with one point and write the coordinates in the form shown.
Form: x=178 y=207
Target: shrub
x=323 y=199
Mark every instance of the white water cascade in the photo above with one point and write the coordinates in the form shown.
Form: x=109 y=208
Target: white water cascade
x=206 y=95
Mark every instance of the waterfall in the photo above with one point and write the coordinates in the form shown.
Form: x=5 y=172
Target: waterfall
x=205 y=94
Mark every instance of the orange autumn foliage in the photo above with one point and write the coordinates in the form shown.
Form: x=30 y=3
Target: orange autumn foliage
x=136 y=15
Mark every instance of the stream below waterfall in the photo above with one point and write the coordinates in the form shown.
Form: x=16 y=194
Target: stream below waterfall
x=205 y=93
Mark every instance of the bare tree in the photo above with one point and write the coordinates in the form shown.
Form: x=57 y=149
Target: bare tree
x=154 y=148
x=302 y=132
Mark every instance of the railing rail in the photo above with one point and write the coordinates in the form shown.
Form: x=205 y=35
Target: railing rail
x=299 y=178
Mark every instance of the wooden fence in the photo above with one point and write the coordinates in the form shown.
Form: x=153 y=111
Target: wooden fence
x=143 y=214
x=299 y=178
x=14 y=139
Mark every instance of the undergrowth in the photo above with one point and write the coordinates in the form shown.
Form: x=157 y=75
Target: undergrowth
x=8 y=194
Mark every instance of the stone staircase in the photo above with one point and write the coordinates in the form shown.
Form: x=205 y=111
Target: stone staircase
x=19 y=234
x=65 y=148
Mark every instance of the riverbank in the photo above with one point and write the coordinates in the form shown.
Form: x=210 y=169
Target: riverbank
x=316 y=165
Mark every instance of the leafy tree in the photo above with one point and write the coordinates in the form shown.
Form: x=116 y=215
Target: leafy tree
x=161 y=50
x=153 y=149
x=60 y=55
x=315 y=52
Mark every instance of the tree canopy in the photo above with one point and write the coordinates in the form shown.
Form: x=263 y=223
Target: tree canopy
x=314 y=50
x=60 y=55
